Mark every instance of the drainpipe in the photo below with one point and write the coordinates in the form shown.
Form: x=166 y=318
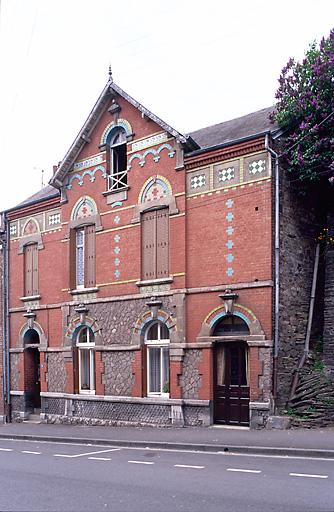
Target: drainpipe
x=309 y=325
x=6 y=322
x=276 y=306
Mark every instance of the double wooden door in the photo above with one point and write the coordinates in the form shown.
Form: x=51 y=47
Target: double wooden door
x=231 y=402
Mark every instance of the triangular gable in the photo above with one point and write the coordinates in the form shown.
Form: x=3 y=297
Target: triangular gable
x=93 y=119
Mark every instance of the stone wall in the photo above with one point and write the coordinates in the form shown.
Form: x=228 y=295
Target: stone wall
x=56 y=375
x=328 y=349
x=301 y=220
x=117 y=378
x=191 y=380
x=14 y=371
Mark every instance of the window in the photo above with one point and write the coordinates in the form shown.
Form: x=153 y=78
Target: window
x=31 y=270
x=230 y=325
x=84 y=363
x=157 y=349
x=117 y=172
x=155 y=244
x=82 y=258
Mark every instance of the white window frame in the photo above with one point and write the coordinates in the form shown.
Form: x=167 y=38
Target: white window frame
x=161 y=344
x=83 y=347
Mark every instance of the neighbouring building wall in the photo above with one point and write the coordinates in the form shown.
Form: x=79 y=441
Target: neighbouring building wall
x=2 y=412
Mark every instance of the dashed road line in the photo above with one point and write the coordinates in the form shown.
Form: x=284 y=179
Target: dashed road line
x=256 y=471
x=140 y=462
x=31 y=453
x=98 y=458
x=188 y=466
x=85 y=454
x=308 y=476
x=6 y=449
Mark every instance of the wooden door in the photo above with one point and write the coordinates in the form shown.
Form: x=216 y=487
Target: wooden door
x=231 y=406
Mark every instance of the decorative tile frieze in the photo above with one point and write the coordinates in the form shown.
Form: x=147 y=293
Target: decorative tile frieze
x=89 y=162
x=197 y=181
x=151 y=141
x=156 y=288
x=226 y=174
x=54 y=218
x=84 y=296
x=257 y=166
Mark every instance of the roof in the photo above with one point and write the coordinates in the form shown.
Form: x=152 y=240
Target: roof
x=45 y=193
x=235 y=129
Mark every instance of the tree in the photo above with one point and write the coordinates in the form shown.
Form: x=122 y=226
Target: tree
x=305 y=109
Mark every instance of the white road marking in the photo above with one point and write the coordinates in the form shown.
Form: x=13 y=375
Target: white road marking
x=98 y=458
x=308 y=476
x=187 y=466
x=140 y=462
x=244 y=470
x=31 y=453
x=6 y=449
x=85 y=454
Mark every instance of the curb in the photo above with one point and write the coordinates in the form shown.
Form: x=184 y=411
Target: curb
x=159 y=445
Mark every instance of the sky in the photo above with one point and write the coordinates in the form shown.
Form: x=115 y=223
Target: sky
x=193 y=63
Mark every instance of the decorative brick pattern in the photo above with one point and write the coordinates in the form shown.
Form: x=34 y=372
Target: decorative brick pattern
x=117 y=378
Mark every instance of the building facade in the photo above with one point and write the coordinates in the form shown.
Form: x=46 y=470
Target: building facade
x=142 y=276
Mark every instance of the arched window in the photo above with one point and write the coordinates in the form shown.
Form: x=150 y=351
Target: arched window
x=157 y=346
x=85 y=361
x=230 y=325
x=117 y=172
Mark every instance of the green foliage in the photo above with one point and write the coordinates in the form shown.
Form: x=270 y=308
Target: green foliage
x=305 y=109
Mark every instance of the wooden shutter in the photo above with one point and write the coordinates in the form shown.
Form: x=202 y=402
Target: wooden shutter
x=148 y=248
x=89 y=256
x=73 y=260
x=162 y=243
x=30 y=270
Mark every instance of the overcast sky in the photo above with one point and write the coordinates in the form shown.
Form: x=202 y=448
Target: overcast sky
x=193 y=63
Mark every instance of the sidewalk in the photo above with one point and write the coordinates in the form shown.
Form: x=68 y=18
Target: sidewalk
x=297 y=443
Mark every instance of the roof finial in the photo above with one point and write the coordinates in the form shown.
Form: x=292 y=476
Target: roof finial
x=110 y=73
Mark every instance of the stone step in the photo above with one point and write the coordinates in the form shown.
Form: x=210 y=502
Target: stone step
x=33 y=418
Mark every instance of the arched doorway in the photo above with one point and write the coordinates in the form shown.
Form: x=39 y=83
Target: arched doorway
x=32 y=383
x=231 y=372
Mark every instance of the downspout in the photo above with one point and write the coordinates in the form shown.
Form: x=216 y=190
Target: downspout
x=309 y=324
x=6 y=324
x=276 y=305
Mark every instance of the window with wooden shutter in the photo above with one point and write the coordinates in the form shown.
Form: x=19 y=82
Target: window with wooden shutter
x=155 y=244
x=82 y=257
x=31 y=270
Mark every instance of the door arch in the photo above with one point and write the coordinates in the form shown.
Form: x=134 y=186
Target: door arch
x=231 y=372
x=32 y=382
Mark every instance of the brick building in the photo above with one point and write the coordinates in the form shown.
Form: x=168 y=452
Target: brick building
x=142 y=276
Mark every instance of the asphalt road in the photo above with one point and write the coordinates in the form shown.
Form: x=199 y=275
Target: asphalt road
x=38 y=476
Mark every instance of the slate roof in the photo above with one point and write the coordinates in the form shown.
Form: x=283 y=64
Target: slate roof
x=235 y=129
x=45 y=193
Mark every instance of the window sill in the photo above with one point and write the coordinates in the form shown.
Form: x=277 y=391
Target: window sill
x=153 y=282
x=83 y=291
x=31 y=298
x=119 y=194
